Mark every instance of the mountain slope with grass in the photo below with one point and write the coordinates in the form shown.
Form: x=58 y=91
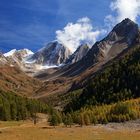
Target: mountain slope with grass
x=13 y=79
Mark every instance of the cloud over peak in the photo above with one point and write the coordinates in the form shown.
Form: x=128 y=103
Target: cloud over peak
x=126 y=9
x=123 y=9
x=73 y=34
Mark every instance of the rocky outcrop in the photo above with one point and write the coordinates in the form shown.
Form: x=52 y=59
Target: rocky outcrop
x=3 y=59
x=78 y=54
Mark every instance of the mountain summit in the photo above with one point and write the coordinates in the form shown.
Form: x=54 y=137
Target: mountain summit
x=53 y=53
x=121 y=37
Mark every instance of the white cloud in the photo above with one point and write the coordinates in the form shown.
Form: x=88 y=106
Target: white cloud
x=110 y=21
x=74 y=34
x=124 y=9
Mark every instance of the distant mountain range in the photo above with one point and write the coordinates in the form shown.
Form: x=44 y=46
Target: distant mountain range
x=54 y=54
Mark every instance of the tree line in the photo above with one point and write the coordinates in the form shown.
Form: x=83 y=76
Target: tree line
x=103 y=114
x=14 y=107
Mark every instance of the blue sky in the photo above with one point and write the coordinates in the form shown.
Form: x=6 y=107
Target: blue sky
x=32 y=23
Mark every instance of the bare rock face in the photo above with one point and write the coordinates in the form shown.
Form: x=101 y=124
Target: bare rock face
x=121 y=37
x=3 y=59
x=78 y=54
x=17 y=56
x=21 y=54
x=53 y=53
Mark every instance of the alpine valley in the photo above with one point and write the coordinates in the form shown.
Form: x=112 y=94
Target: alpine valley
x=95 y=84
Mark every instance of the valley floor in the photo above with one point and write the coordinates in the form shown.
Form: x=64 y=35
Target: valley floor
x=27 y=131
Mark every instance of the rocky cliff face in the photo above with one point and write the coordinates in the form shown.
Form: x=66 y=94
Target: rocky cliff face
x=78 y=54
x=17 y=56
x=121 y=37
x=53 y=53
x=3 y=59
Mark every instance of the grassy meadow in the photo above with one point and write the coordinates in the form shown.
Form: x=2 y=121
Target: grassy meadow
x=41 y=131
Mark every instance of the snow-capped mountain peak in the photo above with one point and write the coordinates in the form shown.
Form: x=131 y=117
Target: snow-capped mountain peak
x=54 y=53
x=23 y=52
x=3 y=59
x=10 y=53
x=16 y=57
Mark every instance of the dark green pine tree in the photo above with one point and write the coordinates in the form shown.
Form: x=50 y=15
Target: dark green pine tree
x=13 y=108
x=68 y=120
x=6 y=111
x=1 y=110
x=54 y=120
